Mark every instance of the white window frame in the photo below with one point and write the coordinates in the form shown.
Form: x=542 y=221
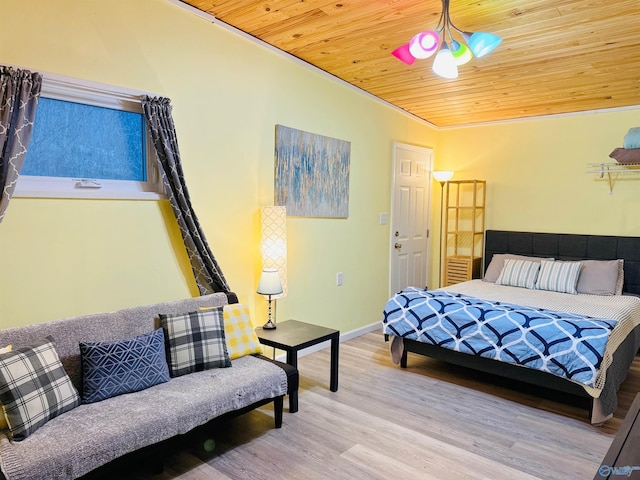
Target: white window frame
x=69 y=89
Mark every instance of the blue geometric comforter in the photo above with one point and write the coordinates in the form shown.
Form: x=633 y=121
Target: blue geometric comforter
x=565 y=344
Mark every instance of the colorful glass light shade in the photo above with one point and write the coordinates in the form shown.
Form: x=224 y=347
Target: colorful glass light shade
x=444 y=64
x=403 y=54
x=428 y=42
x=461 y=54
x=481 y=43
x=424 y=44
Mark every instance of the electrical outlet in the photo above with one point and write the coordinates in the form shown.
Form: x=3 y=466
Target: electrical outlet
x=339 y=279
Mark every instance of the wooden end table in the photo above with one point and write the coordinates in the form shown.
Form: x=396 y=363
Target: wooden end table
x=292 y=336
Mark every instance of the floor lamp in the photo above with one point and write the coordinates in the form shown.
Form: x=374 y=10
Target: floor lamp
x=441 y=176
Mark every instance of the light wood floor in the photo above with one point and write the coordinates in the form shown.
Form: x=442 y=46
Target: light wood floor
x=430 y=421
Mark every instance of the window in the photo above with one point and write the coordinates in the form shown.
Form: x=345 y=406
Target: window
x=89 y=141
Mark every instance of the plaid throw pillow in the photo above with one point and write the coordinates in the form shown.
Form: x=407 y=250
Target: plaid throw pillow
x=114 y=368
x=34 y=388
x=195 y=341
x=3 y=421
x=239 y=333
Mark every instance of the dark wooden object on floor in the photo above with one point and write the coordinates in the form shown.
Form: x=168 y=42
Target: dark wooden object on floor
x=623 y=458
x=292 y=336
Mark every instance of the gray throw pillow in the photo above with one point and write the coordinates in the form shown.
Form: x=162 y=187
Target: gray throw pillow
x=601 y=277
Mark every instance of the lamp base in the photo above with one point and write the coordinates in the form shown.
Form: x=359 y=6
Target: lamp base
x=269 y=325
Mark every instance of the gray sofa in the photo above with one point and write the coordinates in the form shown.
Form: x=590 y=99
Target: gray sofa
x=94 y=434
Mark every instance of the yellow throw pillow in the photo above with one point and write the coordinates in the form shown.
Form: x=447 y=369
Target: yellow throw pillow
x=3 y=420
x=240 y=336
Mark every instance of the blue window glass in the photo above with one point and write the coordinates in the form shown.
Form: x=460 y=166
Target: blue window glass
x=76 y=140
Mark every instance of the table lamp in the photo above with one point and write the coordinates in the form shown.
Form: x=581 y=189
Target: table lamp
x=270 y=285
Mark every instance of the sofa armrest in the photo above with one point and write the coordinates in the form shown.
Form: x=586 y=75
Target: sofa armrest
x=293 y=378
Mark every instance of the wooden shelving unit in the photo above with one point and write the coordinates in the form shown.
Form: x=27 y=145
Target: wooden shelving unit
x=464 y=230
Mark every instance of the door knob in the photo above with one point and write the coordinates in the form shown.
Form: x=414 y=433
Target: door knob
x=398 y=246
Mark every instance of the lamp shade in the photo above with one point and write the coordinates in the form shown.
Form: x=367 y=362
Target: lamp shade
x=274 y=242
x=445 y=65
x=442 y=175
x=461 y=54
x=481 y=43
x=424 y=44
x=269 y=282
x=403 y=54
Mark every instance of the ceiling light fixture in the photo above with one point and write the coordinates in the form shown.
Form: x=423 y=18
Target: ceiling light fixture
x=450 y=52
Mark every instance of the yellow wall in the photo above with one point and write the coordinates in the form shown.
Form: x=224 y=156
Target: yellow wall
x=536 y=172
x=67 y=257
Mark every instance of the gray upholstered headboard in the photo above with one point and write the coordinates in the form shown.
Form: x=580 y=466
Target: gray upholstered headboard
x=564 y=246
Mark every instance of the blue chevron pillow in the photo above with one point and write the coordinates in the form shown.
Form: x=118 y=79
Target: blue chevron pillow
x=114 y=368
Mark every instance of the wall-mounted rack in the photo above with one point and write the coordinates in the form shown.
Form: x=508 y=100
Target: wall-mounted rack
x=611 y=169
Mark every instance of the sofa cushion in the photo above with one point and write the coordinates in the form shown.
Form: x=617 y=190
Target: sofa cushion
x=195 y=341
x=125 y=366
x=103 y=431
x=240 y=336
x=34 y=388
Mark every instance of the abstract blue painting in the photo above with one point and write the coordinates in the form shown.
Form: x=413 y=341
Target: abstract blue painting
x=312 y=174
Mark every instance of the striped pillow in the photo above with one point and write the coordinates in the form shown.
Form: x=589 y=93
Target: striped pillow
x=559 y=276
x=519 y=273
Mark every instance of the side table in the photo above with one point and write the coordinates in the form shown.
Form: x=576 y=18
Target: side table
x=292 y=336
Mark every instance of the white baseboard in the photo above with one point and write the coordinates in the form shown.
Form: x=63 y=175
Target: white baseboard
x=343 y=338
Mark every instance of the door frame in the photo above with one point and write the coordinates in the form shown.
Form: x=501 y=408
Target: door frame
x=429 y=186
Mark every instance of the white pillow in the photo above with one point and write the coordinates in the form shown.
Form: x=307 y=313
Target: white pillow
x=519 y=273
x=559 y=277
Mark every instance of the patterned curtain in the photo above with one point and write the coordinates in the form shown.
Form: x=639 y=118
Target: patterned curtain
x=19 y=93
x=208 y=275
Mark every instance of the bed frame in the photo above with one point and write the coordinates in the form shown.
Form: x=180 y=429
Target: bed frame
x=560 y=247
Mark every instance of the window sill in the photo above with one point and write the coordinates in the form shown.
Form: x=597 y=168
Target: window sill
x=49 y=187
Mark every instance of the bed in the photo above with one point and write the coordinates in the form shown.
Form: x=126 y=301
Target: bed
x=577 y=333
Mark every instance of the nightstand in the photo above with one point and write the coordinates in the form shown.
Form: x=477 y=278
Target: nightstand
x=292 y=336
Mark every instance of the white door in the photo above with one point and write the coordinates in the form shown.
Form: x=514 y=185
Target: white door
x=411 y=193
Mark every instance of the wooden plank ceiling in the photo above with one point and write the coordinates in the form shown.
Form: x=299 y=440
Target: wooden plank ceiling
x=557 y=56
